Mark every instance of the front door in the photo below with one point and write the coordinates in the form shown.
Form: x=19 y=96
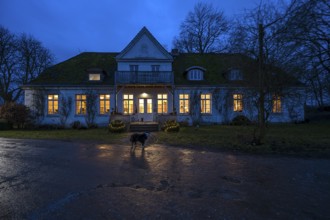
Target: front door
x=145 y=109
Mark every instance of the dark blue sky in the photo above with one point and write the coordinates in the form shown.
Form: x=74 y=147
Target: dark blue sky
x=68 y=27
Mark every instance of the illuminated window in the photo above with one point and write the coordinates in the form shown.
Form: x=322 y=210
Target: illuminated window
x=104 y=104
x=162 y=103
x=277 y=104
x=238 y=102
x=81 y=104
x=141 y=105
x=184 y=103
x=94 y=77
x=149 y=105
x=128 y=103
x=206 y=103
x=52 y=104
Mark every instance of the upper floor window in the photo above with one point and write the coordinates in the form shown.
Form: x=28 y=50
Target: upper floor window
x=277 y=104
x=205 y=103
x=235 y=74
x=104 y=104
x=195 y=73
x=238 y=102
x=94 y=77
x=155 y=68
x=134 y=68
x=52 y=104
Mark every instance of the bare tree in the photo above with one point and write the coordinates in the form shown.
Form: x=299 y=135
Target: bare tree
x=309 y=27
x=8 y=66
x=201 y=30
x=91 y=109
x=38 y=105
x=65 y=109
x=260 y=34
x=22 y=59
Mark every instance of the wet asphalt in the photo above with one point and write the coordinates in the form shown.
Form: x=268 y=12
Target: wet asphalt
x=45 y=179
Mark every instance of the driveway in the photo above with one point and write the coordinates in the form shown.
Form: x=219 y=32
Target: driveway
x=44 y=179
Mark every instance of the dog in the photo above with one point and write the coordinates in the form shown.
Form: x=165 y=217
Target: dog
x=138 y=138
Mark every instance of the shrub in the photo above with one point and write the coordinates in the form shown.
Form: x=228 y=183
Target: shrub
x=15 y=114
x=240 y=120
x=117 y=126
x=171 y=126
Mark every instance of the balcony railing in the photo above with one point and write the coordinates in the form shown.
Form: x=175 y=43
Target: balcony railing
x=144 y=77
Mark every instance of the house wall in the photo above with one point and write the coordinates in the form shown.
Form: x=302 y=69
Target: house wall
x=101 y=120
x=222 y=106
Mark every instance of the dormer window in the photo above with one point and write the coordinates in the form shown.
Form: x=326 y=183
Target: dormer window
x=94 y=77
x=195 y=73
x=95 y=74
x=235 y=74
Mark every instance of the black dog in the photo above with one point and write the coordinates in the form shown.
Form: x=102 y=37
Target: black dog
x=138 y=138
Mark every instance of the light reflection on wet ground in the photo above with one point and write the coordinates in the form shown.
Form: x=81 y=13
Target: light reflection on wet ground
x=66 y=180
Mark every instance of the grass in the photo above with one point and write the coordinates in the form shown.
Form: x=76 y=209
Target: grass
x=99 y=134
x=310 y=139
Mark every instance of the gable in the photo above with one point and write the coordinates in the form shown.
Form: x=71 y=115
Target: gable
x=144 y=46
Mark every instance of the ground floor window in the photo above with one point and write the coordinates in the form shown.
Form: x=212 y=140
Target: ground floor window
x=184 y=103
x=277 y=104
x=81 y=102
x=128 y=103
x=238 y=102
x=162 y=103
x=104 y=104
x=52 y=104
x=206 y=103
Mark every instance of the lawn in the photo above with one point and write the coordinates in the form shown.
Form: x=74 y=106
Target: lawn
x=311 y=139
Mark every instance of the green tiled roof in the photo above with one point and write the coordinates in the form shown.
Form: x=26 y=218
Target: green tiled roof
x=216 y=66
x=74 y=70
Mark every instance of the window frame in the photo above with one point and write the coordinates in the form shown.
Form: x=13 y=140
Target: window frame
x=206 y=103
x=155 y=68
x=129 y=101
x=104 y=103
x=162 y=103
x=276 y=104
x=97 y=75
x=51 y=103
x=134 y=68
x=80 y=103
x=195 y=74
x=184 y=103
x=238 y=102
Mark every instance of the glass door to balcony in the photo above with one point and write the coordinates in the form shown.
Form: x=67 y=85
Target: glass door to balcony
x=145 y=109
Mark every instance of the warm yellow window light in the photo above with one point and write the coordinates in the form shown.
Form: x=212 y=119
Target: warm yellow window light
x=94 y=77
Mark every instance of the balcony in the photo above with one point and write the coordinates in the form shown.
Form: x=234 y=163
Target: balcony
x=144 y=77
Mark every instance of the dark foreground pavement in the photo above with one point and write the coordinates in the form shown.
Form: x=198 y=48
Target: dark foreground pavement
x=68 y=180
